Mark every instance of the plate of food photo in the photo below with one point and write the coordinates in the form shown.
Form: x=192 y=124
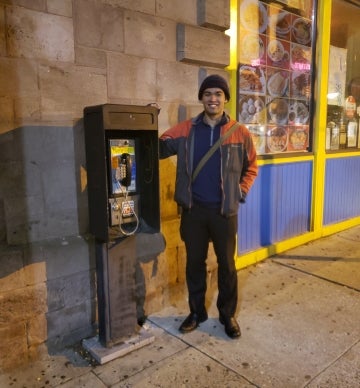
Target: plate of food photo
x=275 y=50
x=278 y=110
x=301 y=30
x=258 y=137
x=280 y=24
x=252 y=79
x=300 y=57
x=278 y=83
x=252 y=48
x=252 y=110
x=298 y=139
x=300 y=84
x=253 y=16
x=298 y=113
x=277 y=139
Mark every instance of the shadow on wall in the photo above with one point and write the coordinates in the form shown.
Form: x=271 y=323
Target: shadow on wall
x=47 y=271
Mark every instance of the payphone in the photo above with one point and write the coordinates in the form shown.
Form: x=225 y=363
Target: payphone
x=122 y=169
x=123 y=201
x=122 y=163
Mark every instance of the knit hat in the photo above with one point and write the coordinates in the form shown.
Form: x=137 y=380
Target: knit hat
x=214 y=81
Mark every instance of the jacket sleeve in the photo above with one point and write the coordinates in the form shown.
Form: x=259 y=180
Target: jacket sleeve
x=167 y=147
x=169 y=140
x=250 y=168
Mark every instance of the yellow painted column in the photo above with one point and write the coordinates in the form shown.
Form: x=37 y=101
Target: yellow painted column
x=232 y=68
x=320 y=113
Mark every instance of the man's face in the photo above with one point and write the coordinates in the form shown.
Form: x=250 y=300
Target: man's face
x=214 y=101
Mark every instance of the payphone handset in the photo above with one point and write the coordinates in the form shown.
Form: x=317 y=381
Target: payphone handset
x=123 y=170
x=123 y=208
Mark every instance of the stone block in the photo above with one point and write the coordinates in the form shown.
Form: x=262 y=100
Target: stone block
x=39 y=5
x=33 y=34
x=2 y=32
x=168 y=268
x=149 y=36
x=193 y=110
x=168 y=116
x=44 y=145
x=86 y=56
x=181 y=264
x=60 y=80
x=23 y=217
x=13 y=346
x=155 y=300
x=69 y=338
x=149 y=246
x=183 y=11
x=170 y=229
x=63 y=257
x=7 y=111
x=99 y=25
x=23 y=304
x=214 y=14
x=10 y=270
x=63 y=322
x=206 y=71
x=59 y=190
x=131 y=77
x=168 y=206
x=15 y=276
x=176 y=82
x=162 y=272
x=21 y=179
x=70 y=291
x=7 y=150
x=39 y=184
x=146 y=6
x=27 y=110
x=196 y=45
x=37 y=330
x=57 y=7
x=16 y=72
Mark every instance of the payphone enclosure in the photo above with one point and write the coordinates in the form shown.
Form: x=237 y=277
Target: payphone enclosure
x=122 y=162
x=122 y=169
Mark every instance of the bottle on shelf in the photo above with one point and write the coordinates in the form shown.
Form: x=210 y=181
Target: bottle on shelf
x=352 y=133
x=342 y=131
x=351 y=122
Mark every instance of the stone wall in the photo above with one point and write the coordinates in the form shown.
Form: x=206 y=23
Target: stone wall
x=56 y=57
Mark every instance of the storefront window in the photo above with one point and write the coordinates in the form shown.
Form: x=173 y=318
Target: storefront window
x=342 y=131
x=275 y=64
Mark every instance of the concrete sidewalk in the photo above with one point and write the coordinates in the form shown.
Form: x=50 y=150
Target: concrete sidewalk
x=299 y=314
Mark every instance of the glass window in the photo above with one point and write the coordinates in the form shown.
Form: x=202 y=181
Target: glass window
x=274 y=74
x=343 y=97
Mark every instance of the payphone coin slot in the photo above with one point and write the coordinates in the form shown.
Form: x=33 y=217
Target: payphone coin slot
x=127 y=209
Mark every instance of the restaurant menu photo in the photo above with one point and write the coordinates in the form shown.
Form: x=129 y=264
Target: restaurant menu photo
x=274 y=73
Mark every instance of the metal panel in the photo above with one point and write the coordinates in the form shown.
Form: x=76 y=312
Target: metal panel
x=278 y=206
x=342 y=187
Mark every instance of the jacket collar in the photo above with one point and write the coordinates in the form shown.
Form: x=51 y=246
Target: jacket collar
x=199 y=118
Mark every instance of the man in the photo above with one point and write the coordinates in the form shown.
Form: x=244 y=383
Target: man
x=210 y=202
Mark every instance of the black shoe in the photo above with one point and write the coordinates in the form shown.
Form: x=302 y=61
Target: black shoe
x=192 y=321
x=232 y=328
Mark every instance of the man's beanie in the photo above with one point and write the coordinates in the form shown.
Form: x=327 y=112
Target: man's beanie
x=214 y=81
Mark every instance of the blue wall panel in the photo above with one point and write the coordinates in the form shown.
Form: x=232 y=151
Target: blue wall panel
x=278 y=206
x=342 y=189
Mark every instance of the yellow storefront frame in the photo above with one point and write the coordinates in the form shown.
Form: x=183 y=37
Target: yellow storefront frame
x=318 y=156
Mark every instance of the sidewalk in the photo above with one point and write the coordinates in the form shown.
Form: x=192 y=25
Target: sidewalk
x=299 y=314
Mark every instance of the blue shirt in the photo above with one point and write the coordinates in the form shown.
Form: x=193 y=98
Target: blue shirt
x=206 y=188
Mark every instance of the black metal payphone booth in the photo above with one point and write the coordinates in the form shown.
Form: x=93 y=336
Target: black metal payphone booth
x=122 y=163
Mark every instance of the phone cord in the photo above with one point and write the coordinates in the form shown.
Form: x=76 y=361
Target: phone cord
x=124 y=232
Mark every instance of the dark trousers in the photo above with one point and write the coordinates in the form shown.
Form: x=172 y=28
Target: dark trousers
x=198 y=226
